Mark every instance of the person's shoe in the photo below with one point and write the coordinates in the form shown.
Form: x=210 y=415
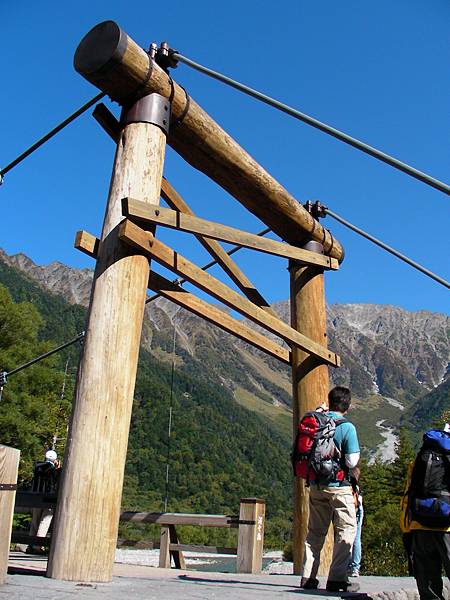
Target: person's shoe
x=354 y=573
x=342 y=586
x=309 y=583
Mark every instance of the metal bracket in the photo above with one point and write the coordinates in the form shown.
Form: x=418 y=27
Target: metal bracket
x=8 y=487
x=316 y=209
x=163 y=56
x=153 y=108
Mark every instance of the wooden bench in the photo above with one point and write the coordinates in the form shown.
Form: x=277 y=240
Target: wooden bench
x=250 y=524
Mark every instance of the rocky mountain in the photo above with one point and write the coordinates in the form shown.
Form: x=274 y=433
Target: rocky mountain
x=391 y=358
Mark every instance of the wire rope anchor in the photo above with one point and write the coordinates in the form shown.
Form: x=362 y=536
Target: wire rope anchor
x=316 y=209
x=163 y=56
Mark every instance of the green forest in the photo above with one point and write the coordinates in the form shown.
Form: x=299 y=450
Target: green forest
x=219 y=451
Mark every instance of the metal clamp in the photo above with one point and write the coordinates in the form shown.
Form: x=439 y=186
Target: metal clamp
x=153 y=108
x=316 y=209
x=8 y=487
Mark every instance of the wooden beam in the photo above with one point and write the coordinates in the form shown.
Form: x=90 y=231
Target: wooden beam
x=88 y=508
x=85 y=242
x=132 y=234
x=107 y=121
x=175 y=201
x=112 y=127
x=180 y=519
x=112 y=61
x=9 y=464
x=143 y=213
x=310 y=386
x=218 y=317
x=176 y=553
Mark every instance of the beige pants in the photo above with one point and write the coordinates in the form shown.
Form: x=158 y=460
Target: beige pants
x=330 y=505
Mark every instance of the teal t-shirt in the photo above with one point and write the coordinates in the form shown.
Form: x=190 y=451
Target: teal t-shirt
x=346 y=439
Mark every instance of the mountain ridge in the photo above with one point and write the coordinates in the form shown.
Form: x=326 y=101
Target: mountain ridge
x=391 y=357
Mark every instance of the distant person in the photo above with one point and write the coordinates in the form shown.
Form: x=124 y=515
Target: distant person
x=425 y=514
x=45 y=480
x=355 y=562
x=331 y=501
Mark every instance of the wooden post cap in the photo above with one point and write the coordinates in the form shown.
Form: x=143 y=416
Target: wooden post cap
x=252 y=501
x=101 y=47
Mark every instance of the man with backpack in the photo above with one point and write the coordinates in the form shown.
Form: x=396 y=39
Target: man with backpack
x=425 y=515
x=325 y=453
x=45 y=480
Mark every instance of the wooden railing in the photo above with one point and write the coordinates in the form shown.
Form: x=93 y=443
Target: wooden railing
x=250 y=524
x=9 y=463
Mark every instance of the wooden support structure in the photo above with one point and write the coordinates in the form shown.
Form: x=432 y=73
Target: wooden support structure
x=310 y=383
x=144 y=214
x=87 y=243
x=216 y=316
x=112 y=61
x=9 y=465
x=170 y=549
x=153 y=248
x=112 y=127
x=88 y=509
x=251 y=535
x=175 y=201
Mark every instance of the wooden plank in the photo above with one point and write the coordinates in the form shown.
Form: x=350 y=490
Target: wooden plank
x=218 y=317
x=178 y=519
x=87 y=243
x=111 y=60
x=251 y=537
x=9 y=464
x=164 y=548
x=87 y=515
x=107 y=121
x=149 y=245
x=175 y=201
x=138 y=544
x=203 y=309
x=143 y=213
x=175 y=552
x=206 y=549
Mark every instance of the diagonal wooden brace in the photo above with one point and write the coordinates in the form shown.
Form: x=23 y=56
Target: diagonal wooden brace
x=153 y=248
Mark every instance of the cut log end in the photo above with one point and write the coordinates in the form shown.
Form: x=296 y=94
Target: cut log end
x=104 y=45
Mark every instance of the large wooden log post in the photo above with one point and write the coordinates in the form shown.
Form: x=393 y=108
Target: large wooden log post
x=88 y=509
x=310 y=382
x=9 y=464
x=112 y=61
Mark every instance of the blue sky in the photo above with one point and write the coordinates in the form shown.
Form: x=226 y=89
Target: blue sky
x=376 y=70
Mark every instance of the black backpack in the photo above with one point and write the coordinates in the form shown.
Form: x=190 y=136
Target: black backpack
x=45 y=477
x=429 y=490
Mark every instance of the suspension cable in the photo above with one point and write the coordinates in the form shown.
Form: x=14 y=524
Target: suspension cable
x=49 y=135
x=381 y=244
x=79 y=337
x=207 y=266
x=340 y=135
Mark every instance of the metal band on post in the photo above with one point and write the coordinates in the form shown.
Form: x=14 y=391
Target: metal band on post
x=153 y=108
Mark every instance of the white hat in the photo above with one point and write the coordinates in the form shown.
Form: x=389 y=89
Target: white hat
x=51 y=455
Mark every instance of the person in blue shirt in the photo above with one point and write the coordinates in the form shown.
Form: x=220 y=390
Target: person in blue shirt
x=334 y=503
